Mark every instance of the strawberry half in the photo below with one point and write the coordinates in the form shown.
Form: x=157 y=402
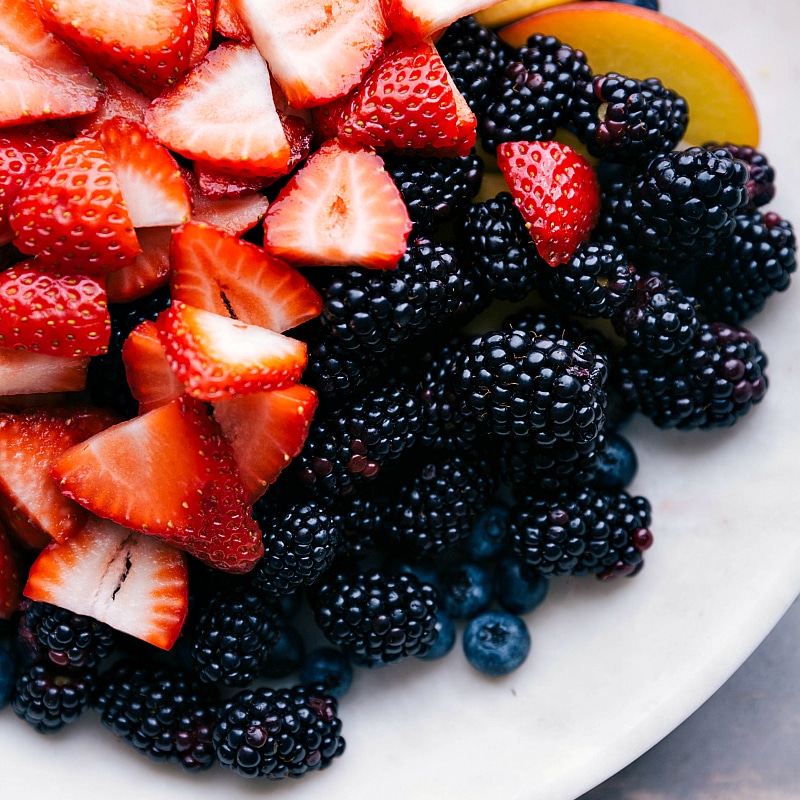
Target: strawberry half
x=204 y=28
x=71 y=213
x=419 y=19
x=218 y=272
x=150 y=269
x=10 y=582
x=118 y=100
x=133 y=583
x=217 y=357
x=23 y=372
x=557 y=193
x=340 y=207
x=53 y=313
x=228 y=23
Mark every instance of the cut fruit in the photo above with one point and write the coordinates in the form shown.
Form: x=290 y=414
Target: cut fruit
x=509 y=11
x=420 y=19
x=118 y=100
x=150 y=269
x=642 y=44
x=235 y=215
x=23 y=372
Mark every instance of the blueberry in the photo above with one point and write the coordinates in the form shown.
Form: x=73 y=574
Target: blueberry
x=518 y=588
x=489 y=534
x=287 y=654
x=616 y=465
x=425 y=572
x=445 y=637
x=328 y=667
x=496 y=642
x=651 y=4
x=466 y=590
x=7 y=676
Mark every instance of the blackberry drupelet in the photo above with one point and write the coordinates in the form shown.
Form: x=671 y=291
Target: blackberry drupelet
x=581 y=532
x=278 y=733
x=761 y=180
x=711 y=385
x=434 y=189
x=376 y=617
x=495 y=242
x=535 y=94
x=163 y=712
x=48 y=697
x=626 y=120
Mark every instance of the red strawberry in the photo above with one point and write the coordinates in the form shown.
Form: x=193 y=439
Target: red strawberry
x=134 y=583
x=71 y=213
x=266 y=430
x=171 y=474
x=316 y=51
x=149 y=178
x=419 y=19
x=118 y=100
x=150 y=269
x=223 y=112
x=217 y=357
x=10 y=583
x=341 y=207
x=409 y=101
x=29 y=442
x=201 y=39
x=228 y=23
x=148 y=44
x=557 y=192
x=218 y=272
x=23 y=372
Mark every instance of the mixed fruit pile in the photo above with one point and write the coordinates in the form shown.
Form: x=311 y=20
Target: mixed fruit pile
x=341 y=306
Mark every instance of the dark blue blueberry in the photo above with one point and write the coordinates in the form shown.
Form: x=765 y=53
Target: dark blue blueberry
x=445 y=637
x=489 y=534
x=328 y=667
x=616 y=465
x=518 y=588
x=466 y=590
x=651 y=4
x=426 y=573
x=496 y=642
x=7 y=676
x=287 y=655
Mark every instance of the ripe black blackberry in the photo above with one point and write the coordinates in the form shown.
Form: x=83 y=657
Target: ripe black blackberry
x=711 y=385
x=580 y=532
x=761 y=179
x=626 y=120
x=163 y=712
x=359 y=518
x=493 y=240
x=377 y=617
x=535 y=94
x=278 y=733
x=49 y=697
x=434 y=189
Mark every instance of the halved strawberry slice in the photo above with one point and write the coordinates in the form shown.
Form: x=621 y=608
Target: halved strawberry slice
x=204 y=28
x=340 y=207
x=218 y=272
x=10 y=577
x=316 y=51
x=228 y=23
x=419 y=19
x=149 y=178
x=222 y=111
x=150 y=269
x=266 y=430
x=557 y=193
x=23 y=372
x=118 y=99
x=217 y=357
x=29 y=442
x=133 y=583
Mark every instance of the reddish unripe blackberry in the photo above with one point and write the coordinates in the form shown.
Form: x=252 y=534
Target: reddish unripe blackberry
x=761 y=178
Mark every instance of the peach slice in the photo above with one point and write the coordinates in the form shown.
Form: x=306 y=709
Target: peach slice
x=642 y=44
x=507 y=11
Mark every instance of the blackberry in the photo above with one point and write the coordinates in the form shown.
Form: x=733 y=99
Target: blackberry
x=376 y=617
x=358 y=519
x=48 y=697
x=496 y=244
x=278 y=733
x=711 y=385
x=581 y=532
x=233 y=636
x=163 y=712
x=535 y=94
x=627 y=120
x=434 y=189
x=761 y=179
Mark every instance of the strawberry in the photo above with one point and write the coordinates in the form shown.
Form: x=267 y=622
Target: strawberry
x=557 y=193
x=340 y=207
x=133 y=583
x=150 y=269
x=420 y=19
x=204 y=28
x=29 y=442
x=149 y=178
x=266 y=430
x=216 y=357
x=222 y=111
x=24 y=372
x=118 y=100
x=147 y=44
x=71 y=213
x=409 y=101
x=228 y=23
x=171 y=474
x=316 y=51
x=10 y=582
x=218 y=272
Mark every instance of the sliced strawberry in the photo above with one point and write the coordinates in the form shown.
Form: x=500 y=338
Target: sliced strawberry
x=557 y=193
x=223 y=112
x=419 y=19
x=217 y=357
x=133 y=583
x=23 y=372
x=29 y=442
x=171 y=474
x=234 y=215
x=150 y=377
x=27 y=535
x=266 y=430
x=70 y=212
x=119 y=99
x=340 y=207
x=10 y=577
x=316 y=51
x=228 y=23
x=204 y=28
x=150 y=269
x=146 y=42
x=408 y=101
x=218 y=272
x=326 y=119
